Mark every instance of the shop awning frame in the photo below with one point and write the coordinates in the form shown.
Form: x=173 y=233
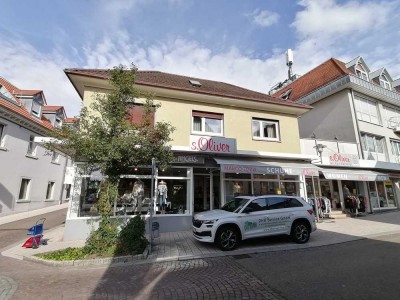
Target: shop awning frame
x=261 y=167
x=355 y=175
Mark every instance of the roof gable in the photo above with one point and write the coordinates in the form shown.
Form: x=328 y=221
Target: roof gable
x=316 y=78
x=379 y=72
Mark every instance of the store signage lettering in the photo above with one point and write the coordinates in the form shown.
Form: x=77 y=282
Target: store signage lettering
x=212 y=144
x=361 y=177
x=188 y=159
x=340 y=159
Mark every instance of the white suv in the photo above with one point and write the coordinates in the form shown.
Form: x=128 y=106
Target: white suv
x=247 y=217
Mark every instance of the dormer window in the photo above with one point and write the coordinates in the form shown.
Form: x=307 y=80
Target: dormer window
x=36 y=109
x=384 y=82
x=58 y=123
x=361 y=72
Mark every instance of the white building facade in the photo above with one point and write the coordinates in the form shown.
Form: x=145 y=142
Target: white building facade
x=31 y=177
x=353 y=127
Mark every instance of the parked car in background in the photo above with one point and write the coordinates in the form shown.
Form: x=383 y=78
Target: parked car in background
x=250 y=217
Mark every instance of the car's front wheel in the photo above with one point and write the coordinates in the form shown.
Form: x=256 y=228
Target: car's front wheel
x=227 y=238
x=300 y=232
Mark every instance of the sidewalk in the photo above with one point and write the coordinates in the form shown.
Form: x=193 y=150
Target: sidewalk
x=32 y=213
x=182 y=246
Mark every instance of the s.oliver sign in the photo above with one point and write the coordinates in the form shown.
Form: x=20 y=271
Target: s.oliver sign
x=340 y=159
x=212 y=144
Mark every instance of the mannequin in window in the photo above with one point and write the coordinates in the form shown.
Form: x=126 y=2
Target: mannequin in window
x=236 y=189
x=137 y=194
x=162 y=190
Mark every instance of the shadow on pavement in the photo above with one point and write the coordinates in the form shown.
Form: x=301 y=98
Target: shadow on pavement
x=360 y=262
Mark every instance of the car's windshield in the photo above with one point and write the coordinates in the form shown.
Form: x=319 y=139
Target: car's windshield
x=235 y=205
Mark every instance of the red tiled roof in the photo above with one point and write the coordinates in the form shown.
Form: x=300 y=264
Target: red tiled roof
x=51 y=108
x=20 y=108
x=71 y=120
x=326 y=72
x=178 y=82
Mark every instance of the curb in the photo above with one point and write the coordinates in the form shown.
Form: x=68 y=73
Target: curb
x=89 y=262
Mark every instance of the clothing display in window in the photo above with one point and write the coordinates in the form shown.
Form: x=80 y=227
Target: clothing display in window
x=162 y=191
x=138 y=194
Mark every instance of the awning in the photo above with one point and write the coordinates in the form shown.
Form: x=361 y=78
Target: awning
x=356 y=175
x=260 y=167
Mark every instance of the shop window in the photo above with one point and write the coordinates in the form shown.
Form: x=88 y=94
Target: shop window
x=366 y=110
x=24 y=189
x=265 y=187
x=265 y=176
x=207 y=123
x=265 y=130
x=236 y=188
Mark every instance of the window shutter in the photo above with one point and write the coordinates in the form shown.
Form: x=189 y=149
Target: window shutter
x=207 y=115
x=136 y=113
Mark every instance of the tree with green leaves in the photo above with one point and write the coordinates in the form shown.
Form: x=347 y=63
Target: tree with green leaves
x=107 y=140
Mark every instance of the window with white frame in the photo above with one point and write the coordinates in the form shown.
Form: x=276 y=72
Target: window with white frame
x=392 y=117
x=361 y=72
x=50 y=190
x=2 y=134
x=24 y=189
x=384 y=82
x=373 y=147
x=395 y=145
x=36 y=108
x=31 y=146
x=366 y=110
x=55 y=157
x=265 y=129
x=207 y=123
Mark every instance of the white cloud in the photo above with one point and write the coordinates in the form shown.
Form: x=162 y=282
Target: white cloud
x=27 y=68
x=264 y=18
x=326 y=18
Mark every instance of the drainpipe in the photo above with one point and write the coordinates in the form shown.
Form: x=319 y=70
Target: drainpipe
x=359 y=148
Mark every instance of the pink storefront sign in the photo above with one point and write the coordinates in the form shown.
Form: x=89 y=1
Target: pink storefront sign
x=212 y=144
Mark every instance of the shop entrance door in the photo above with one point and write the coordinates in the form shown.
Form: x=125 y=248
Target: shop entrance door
x=203 y=199
x=201 y=193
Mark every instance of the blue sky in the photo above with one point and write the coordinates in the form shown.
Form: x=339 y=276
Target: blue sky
x=240 y=42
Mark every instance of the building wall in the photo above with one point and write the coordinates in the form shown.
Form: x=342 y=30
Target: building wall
x=237 y=124
x=15 y=165
x=330 y=117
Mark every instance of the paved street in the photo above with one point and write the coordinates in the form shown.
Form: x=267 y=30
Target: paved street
x=361 y=268
x=365 y=269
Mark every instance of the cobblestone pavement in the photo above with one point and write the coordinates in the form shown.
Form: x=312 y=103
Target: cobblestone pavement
x=211 y=278
x=7 y=287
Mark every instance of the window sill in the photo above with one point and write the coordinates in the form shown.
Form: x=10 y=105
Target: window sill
x=266 y=140
x=31 y=156
x=208 y=134
x=3 y=149
x=55 y=163
x=23 y=201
